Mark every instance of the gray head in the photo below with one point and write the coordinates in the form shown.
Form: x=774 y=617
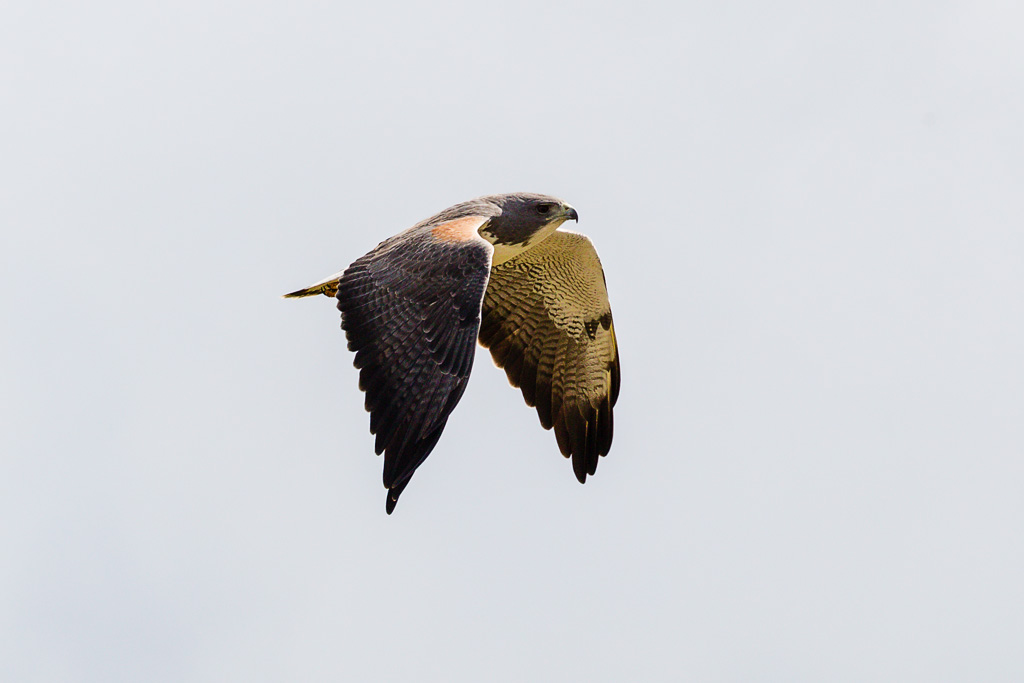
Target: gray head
x=525 y=217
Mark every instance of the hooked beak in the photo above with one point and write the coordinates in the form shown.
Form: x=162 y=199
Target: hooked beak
x=570 y=214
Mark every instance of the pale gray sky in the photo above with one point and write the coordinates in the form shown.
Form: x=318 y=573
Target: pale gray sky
x=810 y=220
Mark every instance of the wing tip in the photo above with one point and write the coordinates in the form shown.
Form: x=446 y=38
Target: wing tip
x=579 y=468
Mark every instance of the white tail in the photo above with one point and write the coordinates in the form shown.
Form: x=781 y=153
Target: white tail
x=327 y=287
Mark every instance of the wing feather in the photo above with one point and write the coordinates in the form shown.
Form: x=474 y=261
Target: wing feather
x=547 y=322
x=411 y=313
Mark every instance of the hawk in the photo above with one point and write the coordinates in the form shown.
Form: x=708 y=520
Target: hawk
x=497 y=270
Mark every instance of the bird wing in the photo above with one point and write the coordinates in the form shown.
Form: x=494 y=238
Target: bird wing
x=547 y=322
x=411 y=312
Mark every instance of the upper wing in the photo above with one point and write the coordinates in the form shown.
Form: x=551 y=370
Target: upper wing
x=411 y=312
x=547 y=322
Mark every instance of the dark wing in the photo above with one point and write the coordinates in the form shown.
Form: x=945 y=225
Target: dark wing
x=411 y=312
x=547 y=322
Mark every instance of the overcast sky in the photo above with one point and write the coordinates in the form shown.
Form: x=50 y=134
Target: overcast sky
x=810 y=220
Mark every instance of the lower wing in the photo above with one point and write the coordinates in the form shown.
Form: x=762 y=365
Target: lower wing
x=547 y=322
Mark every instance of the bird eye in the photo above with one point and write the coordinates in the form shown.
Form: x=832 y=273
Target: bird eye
x=543 y=208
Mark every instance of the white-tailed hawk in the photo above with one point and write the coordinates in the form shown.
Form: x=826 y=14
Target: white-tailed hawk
x=495 y=269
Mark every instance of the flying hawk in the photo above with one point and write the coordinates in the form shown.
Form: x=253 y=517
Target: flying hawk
x=494 y=269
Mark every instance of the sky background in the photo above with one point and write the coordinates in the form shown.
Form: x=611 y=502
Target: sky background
x=810 y=219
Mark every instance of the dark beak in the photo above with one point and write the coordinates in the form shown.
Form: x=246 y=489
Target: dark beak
x=571 y=215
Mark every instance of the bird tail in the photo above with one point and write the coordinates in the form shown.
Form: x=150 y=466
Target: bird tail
x=327 y=287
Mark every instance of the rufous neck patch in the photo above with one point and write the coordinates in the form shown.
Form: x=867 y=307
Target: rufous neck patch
x=459 y=230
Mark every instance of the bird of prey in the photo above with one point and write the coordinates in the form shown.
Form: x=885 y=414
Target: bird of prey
x=495 y=269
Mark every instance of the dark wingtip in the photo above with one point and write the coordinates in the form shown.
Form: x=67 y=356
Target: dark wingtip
x=579 y=467
x=394 y=492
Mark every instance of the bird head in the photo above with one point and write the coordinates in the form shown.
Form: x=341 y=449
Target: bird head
x=524 y=220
